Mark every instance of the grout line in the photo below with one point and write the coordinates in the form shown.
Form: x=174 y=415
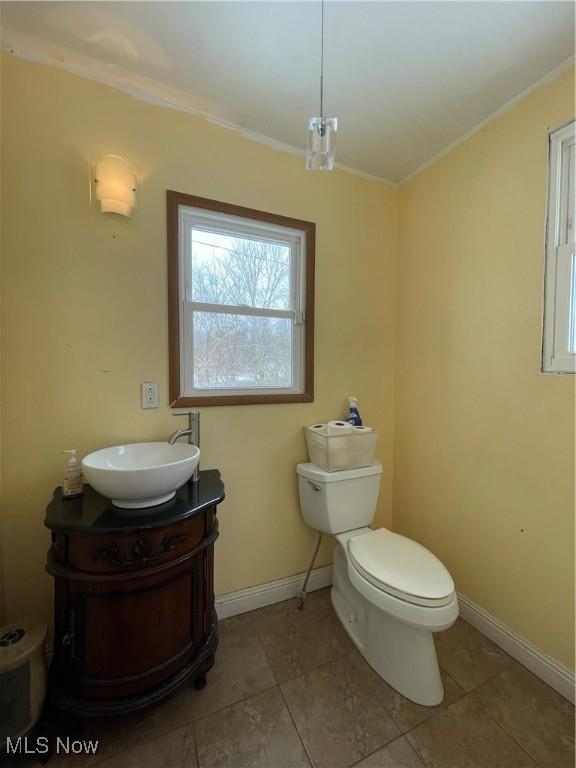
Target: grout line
x=470 y=694
x=502 y=728
x=143 y=739
x=492 y=717
x=433 y=710
x=420 y=757
x=488 y=679
x=460 y=698
x=315 y=668
x=385 y=746
x=243 y=698
x=259 y=638
x=233 y=703
x=433 y=716
x=465 y=691
x=402 y=734
x=439 y=708
x=277 y=683
x=365 y=676
x=196 y=753
x=274 y=675
x=308 y=755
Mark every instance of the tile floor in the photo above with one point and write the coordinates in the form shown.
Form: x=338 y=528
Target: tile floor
x=289 y=689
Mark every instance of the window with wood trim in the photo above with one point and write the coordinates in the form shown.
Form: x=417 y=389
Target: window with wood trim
x=559 y=342
x=241 y=304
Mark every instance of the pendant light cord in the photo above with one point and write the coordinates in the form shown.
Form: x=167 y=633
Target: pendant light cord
x=322 y=61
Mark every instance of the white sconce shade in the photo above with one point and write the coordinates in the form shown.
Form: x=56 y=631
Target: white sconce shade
x=115 y=185
x=321 y=143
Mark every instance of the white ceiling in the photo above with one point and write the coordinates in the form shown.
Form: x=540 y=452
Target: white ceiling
x=405 y=79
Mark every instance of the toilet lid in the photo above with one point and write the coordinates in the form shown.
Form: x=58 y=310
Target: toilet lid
x=401 y=567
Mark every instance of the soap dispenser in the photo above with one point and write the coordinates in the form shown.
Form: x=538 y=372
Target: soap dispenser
x=353 y=417
x=73 y=485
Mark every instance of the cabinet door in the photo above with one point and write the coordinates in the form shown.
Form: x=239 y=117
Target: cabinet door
x=134 y=633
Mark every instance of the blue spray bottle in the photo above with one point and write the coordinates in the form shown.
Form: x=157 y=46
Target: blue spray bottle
x=353 y=417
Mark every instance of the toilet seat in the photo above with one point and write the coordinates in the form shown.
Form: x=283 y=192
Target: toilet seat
x=400 y=567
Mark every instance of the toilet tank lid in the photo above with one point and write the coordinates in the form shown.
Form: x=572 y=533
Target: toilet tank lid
x=312 y=472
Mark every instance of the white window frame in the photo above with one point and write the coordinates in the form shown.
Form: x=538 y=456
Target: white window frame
x=212 y=216
x=560 y=256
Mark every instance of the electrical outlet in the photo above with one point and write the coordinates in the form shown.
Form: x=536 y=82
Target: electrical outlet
x=149 y=394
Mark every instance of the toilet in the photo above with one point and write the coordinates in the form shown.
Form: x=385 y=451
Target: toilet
x=390 y=593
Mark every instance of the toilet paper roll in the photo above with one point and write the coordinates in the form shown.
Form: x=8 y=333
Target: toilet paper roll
x=339 y=428
x=321 y=429
x=364 y=429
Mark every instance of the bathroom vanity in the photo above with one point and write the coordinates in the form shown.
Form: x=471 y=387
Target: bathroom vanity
x=134 y=598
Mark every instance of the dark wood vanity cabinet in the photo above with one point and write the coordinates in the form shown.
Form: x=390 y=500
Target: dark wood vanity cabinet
x=134 y=598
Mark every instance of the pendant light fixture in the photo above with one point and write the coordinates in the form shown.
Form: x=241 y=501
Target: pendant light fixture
x=321 y=130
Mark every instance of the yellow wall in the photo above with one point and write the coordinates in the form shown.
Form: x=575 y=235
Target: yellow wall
x=85 y=318
x=2 y=585
x=484 y=443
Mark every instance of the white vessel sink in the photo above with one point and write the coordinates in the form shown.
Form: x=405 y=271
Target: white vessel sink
x=140 y=475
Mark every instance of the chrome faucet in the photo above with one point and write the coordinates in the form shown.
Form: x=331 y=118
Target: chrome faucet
x=193 y=432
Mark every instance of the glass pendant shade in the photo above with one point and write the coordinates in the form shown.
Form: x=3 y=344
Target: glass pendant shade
x=321 y=143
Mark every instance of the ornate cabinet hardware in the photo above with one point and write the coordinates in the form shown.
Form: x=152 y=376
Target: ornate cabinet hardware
x=170 y=542
x=140 y=552
x=69 y=639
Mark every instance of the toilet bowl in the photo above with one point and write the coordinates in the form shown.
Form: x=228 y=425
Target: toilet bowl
x=390 y=593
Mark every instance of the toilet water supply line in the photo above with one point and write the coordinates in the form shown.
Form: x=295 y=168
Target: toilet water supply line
x=301 y=595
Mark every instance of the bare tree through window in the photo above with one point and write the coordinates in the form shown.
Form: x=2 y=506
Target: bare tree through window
x=237 y=350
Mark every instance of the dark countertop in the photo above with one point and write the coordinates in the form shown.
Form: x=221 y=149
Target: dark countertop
x=93 y=513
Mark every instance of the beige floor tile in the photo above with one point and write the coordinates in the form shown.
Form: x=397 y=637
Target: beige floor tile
x=62 y=759
x=407 y=714
x=175 y=712
x=297 y=641
x=18 y=761
x=122 y=733
x=469 y=657
x=398 y=754
x=536 y=716
x=110 y=735
x=255 y=732
x=464 y=736
x=343 y=711
x=241 y=668
x=173 y=750
x=338 y=713
x=117 y=734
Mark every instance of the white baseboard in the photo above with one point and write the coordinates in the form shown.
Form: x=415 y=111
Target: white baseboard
x=547 y=669
x=252 y=598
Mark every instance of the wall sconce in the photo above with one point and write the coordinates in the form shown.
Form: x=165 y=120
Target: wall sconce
x=114 y=185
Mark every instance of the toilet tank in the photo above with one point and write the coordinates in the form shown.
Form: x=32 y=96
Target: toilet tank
x=334 y=502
